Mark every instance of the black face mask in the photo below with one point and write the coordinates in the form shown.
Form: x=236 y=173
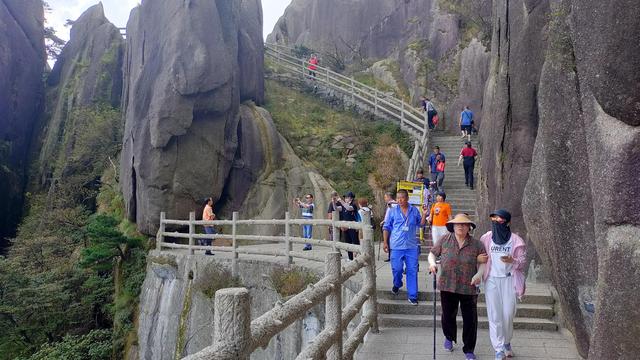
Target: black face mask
x=500 y=233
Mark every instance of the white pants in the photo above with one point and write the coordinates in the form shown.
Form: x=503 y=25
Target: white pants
x=438 y=232
x=501 y=309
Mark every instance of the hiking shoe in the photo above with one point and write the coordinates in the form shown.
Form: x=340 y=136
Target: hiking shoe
x=208 y=252
x=448 y=345
x=306 y=247
x=395 y=290
x=387 y=260
x=500 y=355
x=413 y=301
x=470 y=356
x=507 y=350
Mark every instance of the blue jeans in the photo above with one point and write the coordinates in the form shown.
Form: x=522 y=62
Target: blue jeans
x=207 y=230
x=307 y=230
x=408 y=258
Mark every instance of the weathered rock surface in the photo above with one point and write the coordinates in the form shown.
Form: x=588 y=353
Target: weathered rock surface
x=181 y=102
x=87 y=74
x=176 y=308
x=426 y=42
x=561 y=145
x=22 y=62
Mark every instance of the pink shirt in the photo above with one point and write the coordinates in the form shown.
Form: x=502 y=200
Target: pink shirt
x=519 y=261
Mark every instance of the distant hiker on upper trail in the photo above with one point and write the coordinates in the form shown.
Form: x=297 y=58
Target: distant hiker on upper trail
x=466 y=122
x=428 y=107
x=313 y=62
x=400 y=228
x=307 y=213
x=468 y=157
x=208 y=215
x=437 y=165
x=504 y=279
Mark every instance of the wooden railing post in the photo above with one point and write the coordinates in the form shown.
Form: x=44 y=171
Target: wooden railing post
x=328 y=76
x=401 y=114
x=287 y=238
x=234 y=243
x=353 y=96
x=303 y=75
x=160 y=236
x=333 y=305
x=232 y=324
x=370 y=309
x=375 y=102
x=335 y=216
x=192 y=231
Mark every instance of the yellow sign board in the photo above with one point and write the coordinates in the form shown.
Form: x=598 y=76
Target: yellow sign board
x=416 y=195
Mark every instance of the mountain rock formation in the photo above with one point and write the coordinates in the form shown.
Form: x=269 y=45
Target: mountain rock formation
x=561 y=145
x=22 y=62
x=430 y=44
x=87 y=75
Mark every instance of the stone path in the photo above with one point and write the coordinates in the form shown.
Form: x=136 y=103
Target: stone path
x=417 y=344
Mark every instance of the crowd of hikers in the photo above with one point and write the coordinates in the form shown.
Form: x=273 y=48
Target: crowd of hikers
x=461 y=261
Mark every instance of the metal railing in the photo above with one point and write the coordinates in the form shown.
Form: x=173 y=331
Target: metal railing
x=236 y=335
x=413 y=121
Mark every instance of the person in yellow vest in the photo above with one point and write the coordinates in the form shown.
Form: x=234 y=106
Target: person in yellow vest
x=208 y=215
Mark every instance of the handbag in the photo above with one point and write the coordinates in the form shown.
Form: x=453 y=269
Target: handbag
x=440 y=166
x=435 y=120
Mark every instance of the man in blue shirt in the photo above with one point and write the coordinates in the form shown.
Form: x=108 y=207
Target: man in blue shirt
x=400 y=229
x=466 y=122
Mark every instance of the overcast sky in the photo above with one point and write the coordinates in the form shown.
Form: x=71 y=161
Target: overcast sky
x=117 y=11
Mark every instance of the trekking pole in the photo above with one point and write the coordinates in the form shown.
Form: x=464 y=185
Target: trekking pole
x=434 y=316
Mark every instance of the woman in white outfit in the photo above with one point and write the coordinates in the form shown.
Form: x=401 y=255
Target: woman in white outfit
x=504 y=280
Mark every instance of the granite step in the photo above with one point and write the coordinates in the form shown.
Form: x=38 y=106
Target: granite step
x=404 y=320
x=402 y=306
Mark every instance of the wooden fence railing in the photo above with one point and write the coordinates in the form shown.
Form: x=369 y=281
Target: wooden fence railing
x=236 y=335
x=412 y=120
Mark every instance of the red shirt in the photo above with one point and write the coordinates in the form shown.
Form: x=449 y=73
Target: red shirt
x=467 y=151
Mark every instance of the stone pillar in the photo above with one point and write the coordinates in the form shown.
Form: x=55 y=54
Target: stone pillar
x=333 y=305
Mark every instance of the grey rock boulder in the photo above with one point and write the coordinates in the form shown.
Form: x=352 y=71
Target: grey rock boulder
x=22 y=63
x=183 y=87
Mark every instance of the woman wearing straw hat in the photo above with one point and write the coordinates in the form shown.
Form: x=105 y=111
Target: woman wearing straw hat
x=459 y=273
x=504 y=280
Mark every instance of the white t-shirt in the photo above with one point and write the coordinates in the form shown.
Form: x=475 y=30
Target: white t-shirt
x=498 y=267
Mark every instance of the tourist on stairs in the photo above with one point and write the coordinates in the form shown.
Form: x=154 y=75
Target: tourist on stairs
x=391 y=203
x=436 y=166
x=504 y=280
x=459 y=275
x=400 y=230
x=466 y=122
x=439 y=215
x=428 y=107
x=307 y=213
x=468 y=158
x=313 y=62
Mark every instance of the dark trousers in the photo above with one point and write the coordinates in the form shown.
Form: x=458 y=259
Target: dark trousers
x=430 y=116
x=350 y=236
x=469 y=307
x=468 y=171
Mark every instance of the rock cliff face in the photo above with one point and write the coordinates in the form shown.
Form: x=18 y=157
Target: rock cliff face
x=191 y=130
x=429 y=43
x=22 y=63
x=182 y=101
x=87 y=75
x=561 y=144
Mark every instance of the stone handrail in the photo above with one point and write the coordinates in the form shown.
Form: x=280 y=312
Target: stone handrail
x=237 y=336
x=412 y=120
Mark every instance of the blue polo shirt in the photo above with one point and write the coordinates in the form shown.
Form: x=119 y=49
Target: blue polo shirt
x=403 y=229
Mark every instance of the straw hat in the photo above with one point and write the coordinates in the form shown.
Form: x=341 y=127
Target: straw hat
x=460 y=219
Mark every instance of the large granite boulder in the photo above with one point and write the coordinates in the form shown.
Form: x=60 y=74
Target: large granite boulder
x=22 y=63
x=187 y=66
x=87 y=74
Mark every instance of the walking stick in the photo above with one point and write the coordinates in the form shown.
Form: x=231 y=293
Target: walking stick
x=434 y=316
